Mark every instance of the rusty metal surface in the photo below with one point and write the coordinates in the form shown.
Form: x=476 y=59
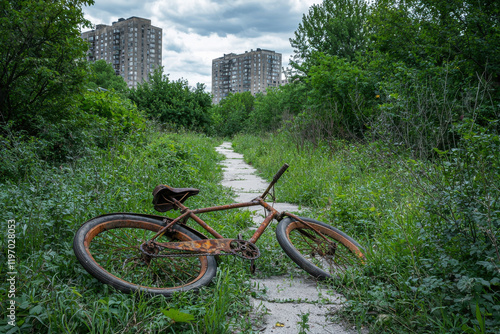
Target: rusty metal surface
x=220 y=245
x=205 y=226
x=226 y=207
x=241 y=248
x=275 y=179
x=262 y=227
x=213 y=246
x=331 y=243
x=168 y=225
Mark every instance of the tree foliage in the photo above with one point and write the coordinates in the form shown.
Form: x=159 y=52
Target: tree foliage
x=41 y=59
x=273 y=109
x=334 y=27
x=47 y=114
x=342 y=97
x=423 y=32
x=103 y=75
x=404 y=70
x=173 y=102
x=231 y=115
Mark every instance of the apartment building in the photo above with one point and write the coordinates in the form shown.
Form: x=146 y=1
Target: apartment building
x=252 y=71
x=132 y=46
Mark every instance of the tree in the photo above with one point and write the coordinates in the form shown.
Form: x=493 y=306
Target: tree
x=103 y=75
x=172 y=102
x=335 y=28
x=268 y=110
x=277 y=104
x=231 y=115
x=427 y=32
x=41 y=60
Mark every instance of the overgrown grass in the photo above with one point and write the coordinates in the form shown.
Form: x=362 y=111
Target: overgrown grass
x=54 y=294
x=415 y=280
x=424 y=273
x=359 y=195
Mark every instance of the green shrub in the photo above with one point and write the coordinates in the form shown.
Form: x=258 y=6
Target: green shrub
x=119 y=116
x=54 y=293
x=172 y=102
x=430 y=228
x=232 y=114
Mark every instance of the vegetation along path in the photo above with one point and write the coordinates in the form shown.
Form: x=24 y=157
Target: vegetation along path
x=282 y=304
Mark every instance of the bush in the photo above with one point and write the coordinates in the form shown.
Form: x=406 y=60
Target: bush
x=42 y=61
x=342 y=97
x=118 y=115
x=231 y=115
x=172 y=102
x=430 y=228
x=97 y=119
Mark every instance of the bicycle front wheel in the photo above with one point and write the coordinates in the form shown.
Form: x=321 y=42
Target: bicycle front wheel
x=108 y=247
x=320 y=249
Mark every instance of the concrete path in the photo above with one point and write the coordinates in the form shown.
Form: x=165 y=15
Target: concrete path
x=283 y=301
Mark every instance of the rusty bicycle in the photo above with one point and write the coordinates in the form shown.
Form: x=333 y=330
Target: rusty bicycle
x=160 y=255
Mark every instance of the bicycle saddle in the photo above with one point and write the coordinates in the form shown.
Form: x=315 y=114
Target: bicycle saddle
x=162 y=195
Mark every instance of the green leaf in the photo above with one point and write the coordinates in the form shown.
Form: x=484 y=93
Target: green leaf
x=76 y=292
x=439 y=151
x=479 y=318
x=36 y=310
x=177 y=316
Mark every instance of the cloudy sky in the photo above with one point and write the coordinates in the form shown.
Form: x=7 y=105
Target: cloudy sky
x=197 y=31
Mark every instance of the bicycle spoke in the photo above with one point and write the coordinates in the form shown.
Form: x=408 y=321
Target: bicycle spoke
x=320 y=250
x=182 y=271
x=111 y=245
x=126 y=261
x=135 y=238
x=109 y=248
x=120 y=238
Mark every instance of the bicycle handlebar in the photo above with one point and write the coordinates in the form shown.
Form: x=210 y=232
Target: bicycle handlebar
x=280 y=172
x=275 y=179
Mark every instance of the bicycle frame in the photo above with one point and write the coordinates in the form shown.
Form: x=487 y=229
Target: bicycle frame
x=211 y=245
x=187 y=213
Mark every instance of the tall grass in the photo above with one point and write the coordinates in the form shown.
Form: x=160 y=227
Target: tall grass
x=425 y=272
x=54 y=294
x=348 y=187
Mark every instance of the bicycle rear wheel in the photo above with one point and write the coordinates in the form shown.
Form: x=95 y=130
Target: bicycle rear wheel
x=108 y=247
x=320 y=249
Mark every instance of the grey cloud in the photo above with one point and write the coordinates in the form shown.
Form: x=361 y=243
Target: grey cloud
x=175 y=47
x=195 y=68
x=254 y=23
x=245 y=20
x=110 y=10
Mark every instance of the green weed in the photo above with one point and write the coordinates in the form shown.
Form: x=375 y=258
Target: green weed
x=429 y=228
x=54 y=293
x=303 y=323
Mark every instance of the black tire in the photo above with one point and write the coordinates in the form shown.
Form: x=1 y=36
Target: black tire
x=319 y=257
x=108 y=248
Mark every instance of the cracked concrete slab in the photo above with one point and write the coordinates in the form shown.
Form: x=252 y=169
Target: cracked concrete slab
x=281 y=304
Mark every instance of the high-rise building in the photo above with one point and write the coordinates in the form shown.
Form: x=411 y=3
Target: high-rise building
x=252 y=71
x=132 y=46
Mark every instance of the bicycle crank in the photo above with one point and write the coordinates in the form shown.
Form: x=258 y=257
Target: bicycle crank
x=242 y=248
